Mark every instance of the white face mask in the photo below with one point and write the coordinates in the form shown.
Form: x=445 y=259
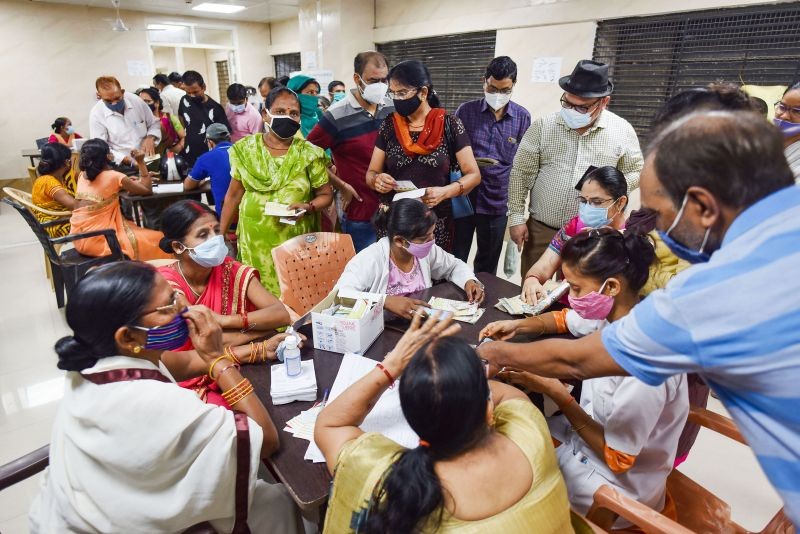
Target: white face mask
x=210 y=252
x=374 y=93
x=497 y=100
x=576 y=120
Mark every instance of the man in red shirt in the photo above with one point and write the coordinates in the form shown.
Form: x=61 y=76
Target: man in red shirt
x=349 y=128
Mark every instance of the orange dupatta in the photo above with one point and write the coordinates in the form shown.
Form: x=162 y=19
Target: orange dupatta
x=429 y=138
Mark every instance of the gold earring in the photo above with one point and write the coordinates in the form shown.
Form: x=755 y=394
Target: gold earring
x=137 y=349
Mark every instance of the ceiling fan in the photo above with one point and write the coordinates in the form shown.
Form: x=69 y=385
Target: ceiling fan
x=118 y=25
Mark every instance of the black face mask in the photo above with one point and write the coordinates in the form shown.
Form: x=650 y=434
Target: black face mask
x=408 y=106
x=195 y=99
x=152 y=107
x=283 y=127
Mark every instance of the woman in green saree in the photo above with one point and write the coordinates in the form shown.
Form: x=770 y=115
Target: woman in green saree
x=276 y=166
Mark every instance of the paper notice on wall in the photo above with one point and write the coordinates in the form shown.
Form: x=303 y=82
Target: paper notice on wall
x=138 y=67
x=309 y=59
x=546 y=69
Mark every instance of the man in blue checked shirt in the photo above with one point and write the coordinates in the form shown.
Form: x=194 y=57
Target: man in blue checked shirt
x=725 y=200
x=495 y=125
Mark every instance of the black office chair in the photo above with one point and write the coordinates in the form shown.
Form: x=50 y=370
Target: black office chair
x=41 y=142
x=69 y=266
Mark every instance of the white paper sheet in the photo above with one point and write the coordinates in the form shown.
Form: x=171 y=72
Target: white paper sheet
x=386 y=417
x=168 y=188
x=416 y=193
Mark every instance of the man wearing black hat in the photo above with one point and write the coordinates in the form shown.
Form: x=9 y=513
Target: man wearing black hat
x=556 y=151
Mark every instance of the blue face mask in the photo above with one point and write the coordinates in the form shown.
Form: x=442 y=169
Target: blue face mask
x=681 y=250
x=592 y=216
x=338 y=96
x=238 y=108
x=70 y=130
x=117 y=107
x=170 y=336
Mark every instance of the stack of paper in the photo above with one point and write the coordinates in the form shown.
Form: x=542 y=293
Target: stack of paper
x=467 y=312
x=514 y=306
x=276 y=209
x=302 y=425
x=385 y=418
x=286 y=389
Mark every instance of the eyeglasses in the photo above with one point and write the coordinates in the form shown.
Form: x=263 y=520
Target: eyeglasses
x=172 y=308
x=404 y=94
x=780 y=107
x=491 y=89
x=583 y=110
x=594 y=202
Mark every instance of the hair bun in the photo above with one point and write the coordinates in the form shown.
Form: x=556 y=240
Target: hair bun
x=74 y=355
x=166 y=245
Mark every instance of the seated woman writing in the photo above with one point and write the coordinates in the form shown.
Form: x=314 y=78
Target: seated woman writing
x=49 y=190
x=602 y=201
x=131 y=452
x=624 y=432
x=98 y=205
x=484 y=463
x=407 y=260
x=205 y=274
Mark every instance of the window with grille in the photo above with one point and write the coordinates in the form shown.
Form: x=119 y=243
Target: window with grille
x=652 y=58
x=286 y=64
x=456 y=62
x=223 y=81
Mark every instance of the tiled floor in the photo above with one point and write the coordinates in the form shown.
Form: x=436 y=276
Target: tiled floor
x=31 y=386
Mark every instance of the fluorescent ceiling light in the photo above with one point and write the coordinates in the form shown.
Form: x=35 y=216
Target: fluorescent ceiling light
x=218 y=8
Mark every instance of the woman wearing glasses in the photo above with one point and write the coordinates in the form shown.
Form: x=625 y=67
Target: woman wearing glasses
x=130 y=451
x=416 y=143
x=602 y=201
x=787 y=119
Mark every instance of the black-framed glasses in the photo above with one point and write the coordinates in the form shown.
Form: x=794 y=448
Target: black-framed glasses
x=583 y=110
x=492 y=90
x=780 y=107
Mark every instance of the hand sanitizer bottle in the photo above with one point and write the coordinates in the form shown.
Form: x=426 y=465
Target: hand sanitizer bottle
x=291 y=356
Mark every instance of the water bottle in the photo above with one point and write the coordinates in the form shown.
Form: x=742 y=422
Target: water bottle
x=291 y=356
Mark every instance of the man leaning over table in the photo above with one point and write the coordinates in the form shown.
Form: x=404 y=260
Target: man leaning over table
x=555 y=152
x=124 y=121
x=724 y=199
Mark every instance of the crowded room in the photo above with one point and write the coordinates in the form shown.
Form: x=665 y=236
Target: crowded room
x=375 y=267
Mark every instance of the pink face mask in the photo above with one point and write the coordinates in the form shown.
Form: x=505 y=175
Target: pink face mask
x=594 y=306
x=420 y=251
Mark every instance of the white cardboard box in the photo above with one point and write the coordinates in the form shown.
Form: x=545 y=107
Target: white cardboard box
x=340 y=334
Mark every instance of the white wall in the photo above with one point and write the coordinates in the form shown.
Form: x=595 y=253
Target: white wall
x=567 y=41
x=284 y=38
x=52 y=54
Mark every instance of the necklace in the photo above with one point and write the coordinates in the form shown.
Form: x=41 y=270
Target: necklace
x=196 y=294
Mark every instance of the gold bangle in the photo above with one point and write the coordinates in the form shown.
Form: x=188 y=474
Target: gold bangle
x=239 y=393
x=247 y=394
x=232 y=391
x=584 y=425
x=264 y=350
x=229 y=352
x=215 y=362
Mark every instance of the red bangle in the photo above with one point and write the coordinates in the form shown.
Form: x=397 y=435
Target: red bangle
x=532 y=276
x=570 y=401
x=245 y=322
x=387 y=373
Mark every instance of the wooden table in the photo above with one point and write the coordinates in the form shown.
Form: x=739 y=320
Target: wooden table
x=307 y=482
x=136 y=200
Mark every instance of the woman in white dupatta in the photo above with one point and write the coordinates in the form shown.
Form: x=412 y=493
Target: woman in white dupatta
x=131 y=451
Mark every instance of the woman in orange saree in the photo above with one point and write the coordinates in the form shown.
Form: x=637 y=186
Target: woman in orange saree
x=205 y=275
x=98 y=205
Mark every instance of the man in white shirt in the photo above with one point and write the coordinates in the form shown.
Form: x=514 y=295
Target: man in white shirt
x=170 y=89
x=123 y=120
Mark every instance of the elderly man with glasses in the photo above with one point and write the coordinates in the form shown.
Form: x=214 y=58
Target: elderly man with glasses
x=556 y=151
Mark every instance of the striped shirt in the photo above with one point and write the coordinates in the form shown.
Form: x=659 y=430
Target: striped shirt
x=793 y=158
x=735 y=321
x=552 y=157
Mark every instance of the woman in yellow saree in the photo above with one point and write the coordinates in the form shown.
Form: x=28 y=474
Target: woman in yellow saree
x=98 y=205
